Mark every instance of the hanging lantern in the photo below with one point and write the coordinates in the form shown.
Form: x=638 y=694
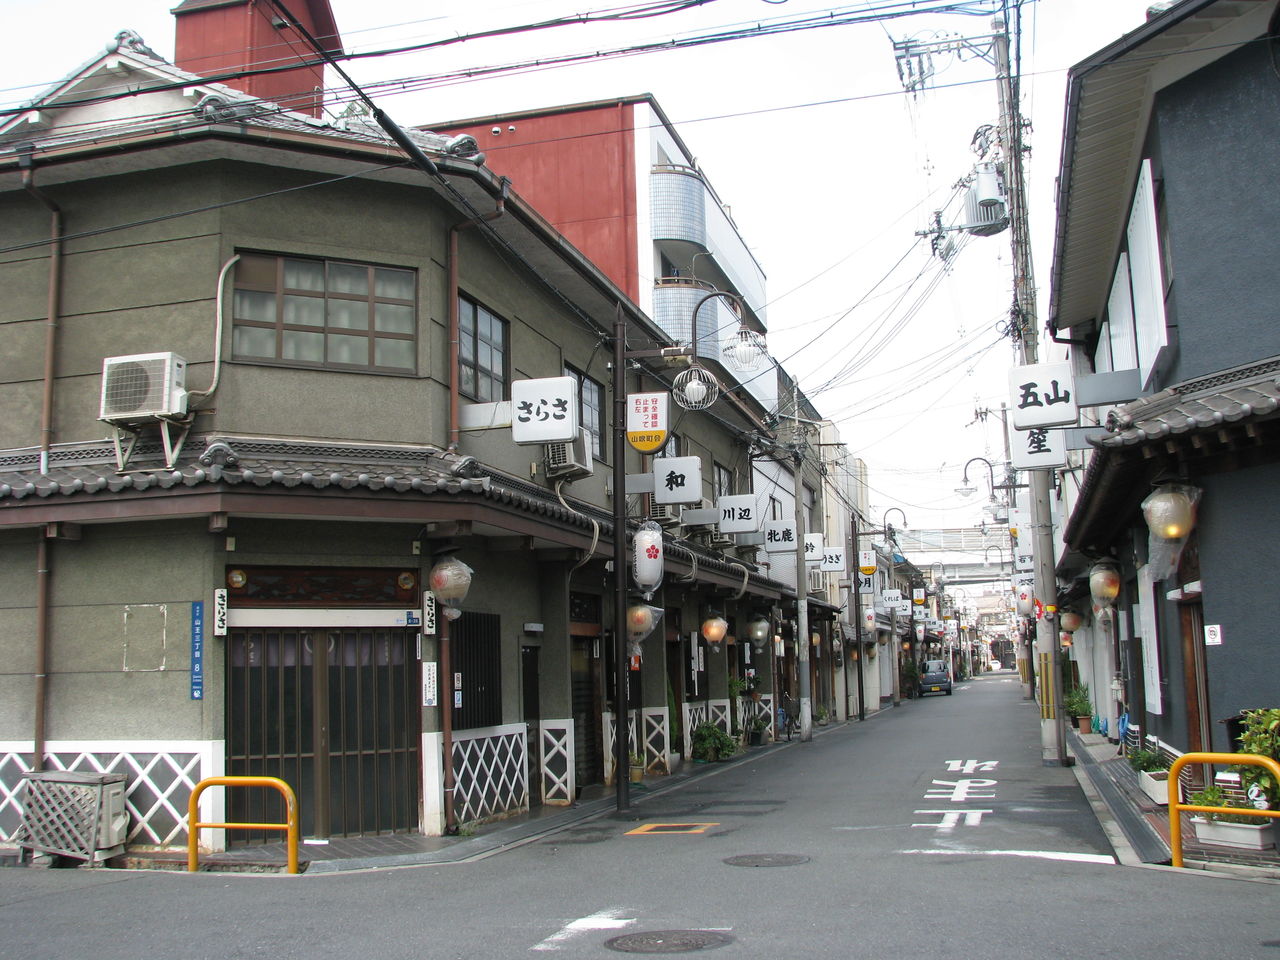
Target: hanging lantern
x=1170 y=511
x=1070 y=621
x=713 y=631
x=695 y=388
x=1104 y=584
x=745 y=352
x=450 y=579
x=642 y=620
x=815 y=639
x=647 y=560
x=758 y=631
x=1026 y=605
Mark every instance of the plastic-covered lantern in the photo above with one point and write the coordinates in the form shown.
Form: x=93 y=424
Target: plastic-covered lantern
x=450 y=579
x=1170 y=511
x=758 y=631
x=642 y=620
x=1026 y=605
x=646 y=562
x=1104 y=584
x=713 y=630
x=1070 y=621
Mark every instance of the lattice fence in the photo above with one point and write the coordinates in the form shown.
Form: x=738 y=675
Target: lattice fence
x=557 y=761
x=491 y=773
x=718 y=713
x=160 y=779
x=694 y=714
x=656 y=740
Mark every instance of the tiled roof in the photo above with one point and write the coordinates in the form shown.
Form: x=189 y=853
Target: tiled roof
x=91 y=469
x=1235 y=395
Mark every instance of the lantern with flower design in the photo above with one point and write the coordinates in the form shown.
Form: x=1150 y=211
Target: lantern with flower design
x=647 y=558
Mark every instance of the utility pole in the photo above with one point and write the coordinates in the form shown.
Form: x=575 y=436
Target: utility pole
x=1052 y=722
x=802 y=579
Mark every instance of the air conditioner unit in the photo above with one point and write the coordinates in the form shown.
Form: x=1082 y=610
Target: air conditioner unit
x=570 y=458
x=143 y=386
x=665 y=514
x=722 y=541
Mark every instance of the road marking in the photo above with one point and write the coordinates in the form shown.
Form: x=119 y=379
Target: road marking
x=1031 y=854
x=655 y=828
x=603 y=920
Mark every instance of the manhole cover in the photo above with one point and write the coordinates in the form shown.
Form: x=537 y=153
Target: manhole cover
x=668 y=941
x=767 y=860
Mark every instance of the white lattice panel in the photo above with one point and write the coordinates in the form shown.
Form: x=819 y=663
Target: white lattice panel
x=760 y=708
x=160 y=777
x=609 y=740
x=491 y=773
x=656 y=740
x=694 y=714
x=558 y=768
x=718 y=713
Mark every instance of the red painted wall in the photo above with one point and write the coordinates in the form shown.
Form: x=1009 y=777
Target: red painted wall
x=576 y=168
x=220 y=38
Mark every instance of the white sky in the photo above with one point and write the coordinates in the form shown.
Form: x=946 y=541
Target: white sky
x=828 y=166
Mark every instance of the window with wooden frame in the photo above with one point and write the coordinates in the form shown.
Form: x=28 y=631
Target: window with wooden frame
x=325 y=313
x=482 y=352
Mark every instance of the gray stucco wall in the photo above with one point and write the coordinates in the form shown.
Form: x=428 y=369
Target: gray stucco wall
x=1217 y=133
x=1239 y=548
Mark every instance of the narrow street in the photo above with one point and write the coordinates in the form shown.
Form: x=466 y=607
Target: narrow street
x=931 y=829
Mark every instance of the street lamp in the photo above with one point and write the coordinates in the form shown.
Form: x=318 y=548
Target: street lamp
x=713 y=631
x=1104 y=583
x=449 y=579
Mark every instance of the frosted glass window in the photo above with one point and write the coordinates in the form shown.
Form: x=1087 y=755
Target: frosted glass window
x=319 y=312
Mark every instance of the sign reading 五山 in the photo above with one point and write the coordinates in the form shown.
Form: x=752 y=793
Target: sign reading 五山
x=1043 y=395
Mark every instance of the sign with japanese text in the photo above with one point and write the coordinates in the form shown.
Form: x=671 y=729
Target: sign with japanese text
x=738 y=514
x=220 y=612
x=1019 y=520
x=429 y=627
x=867 y=562
x=677 y=480
x=779 y=535
x=648 y=421
x=1023 y=557
x=832 y=560
x=866 y=584
x=197 y=650
x=813 y=543
x=917 y=596
x=545 y=410
x=430 y=683
x=1043 y=395
x=1038 y=448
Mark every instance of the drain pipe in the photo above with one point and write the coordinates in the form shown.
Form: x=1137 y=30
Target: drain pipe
x=455 y=431
x=54 y=303
x=41 y=674
x=42 y=650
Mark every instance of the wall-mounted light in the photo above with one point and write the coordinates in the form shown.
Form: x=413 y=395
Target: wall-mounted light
x=713 y=631
x=758 y=632
x=1170 y=510
x=1104 y=583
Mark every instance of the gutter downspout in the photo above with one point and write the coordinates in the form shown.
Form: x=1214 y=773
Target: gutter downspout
x=455 y=431
x=41 y=676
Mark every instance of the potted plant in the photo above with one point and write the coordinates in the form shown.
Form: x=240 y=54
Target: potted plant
x=756 y=727
x=1153 y=774
x=1260 y=735
x=1077 y=704
x=637 y=767
x=711 y=743
x=823 y=716
x=1229 y=829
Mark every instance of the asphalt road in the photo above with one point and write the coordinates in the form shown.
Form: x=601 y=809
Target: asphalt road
x=932 y=830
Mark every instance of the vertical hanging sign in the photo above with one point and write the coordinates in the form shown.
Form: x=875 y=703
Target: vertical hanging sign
x=220 y=620
x=197 y=650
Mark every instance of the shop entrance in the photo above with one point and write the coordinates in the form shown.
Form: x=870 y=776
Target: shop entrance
x=334 y=713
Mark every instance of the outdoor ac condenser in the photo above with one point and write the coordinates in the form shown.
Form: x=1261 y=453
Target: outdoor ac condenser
x=570 y=459
x=143 y=386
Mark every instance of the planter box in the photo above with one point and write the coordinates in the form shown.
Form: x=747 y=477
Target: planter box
x=1242 y=836
x=1155 y=784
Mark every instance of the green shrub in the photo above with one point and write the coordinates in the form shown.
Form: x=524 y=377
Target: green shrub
x=1147 y=760
x=1076 y=701
x=1261 y=736
x=712 y=743
x=1214 y=797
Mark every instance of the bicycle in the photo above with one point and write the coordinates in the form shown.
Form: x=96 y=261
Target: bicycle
x=788 y=719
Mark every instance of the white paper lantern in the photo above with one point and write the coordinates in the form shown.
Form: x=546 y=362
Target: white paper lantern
x=647 y=559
